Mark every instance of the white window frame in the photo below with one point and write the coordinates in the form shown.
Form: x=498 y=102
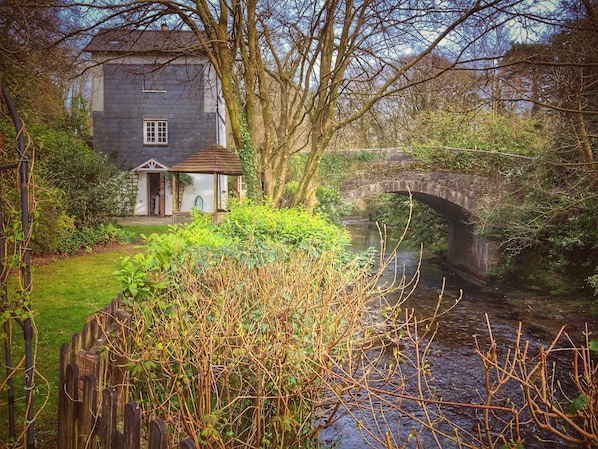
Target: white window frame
x=155 y=132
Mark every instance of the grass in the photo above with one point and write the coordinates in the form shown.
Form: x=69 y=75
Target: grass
x=65 y=292
x=147 y=229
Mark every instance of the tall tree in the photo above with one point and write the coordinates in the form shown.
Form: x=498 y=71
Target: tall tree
x=555 y=211
x=33 y=66
x=560 y=76
x=285 y=65
x=429 y=86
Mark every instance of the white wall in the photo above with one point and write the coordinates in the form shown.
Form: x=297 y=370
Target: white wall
x=141 y=203
x=203 y=185
x=168 y=200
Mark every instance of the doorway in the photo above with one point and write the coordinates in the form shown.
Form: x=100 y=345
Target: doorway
x=155 y=194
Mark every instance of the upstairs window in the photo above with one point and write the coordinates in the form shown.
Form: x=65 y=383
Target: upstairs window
x=155 y=132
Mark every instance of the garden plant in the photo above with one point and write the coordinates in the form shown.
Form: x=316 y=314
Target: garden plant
x=264 y=330
x=237 y=329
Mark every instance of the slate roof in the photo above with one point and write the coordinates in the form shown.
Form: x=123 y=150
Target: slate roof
x=212 y=159
x=123 y=40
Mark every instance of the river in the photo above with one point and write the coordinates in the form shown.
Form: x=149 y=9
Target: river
x=456 y=373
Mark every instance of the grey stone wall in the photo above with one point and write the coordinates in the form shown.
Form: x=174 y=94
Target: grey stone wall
x=466 y=191
x=457 y=196
x=134 y=92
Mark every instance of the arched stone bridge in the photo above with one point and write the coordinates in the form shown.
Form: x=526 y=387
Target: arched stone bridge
x=457 y=196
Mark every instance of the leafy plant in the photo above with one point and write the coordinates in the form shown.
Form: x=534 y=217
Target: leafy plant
x=551 y=220
x=489 y=137
x=393 y=210
x=235 y=325
x=333 y=168
x=66 y=238
x=89 y=188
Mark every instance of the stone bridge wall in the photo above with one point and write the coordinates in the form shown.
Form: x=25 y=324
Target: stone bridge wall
x=457 y=196
x=396 y=171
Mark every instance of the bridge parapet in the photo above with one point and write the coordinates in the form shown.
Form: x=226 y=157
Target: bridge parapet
x=398 y=172
x=457 y=196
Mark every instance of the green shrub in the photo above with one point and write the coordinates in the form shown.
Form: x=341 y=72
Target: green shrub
x=332 y=170
x=330 y=204
x=51 y=228
x=236 y=327
x=291 y=227
x=489 y=132
x=89 y=188
x=67 y=239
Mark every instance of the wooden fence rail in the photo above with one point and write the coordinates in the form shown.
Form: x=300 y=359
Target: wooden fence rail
x=92 y=407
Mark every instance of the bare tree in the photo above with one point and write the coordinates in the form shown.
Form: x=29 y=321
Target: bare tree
x=433 y=84
x=33 y=67
x=286 y=66
x=560 y=76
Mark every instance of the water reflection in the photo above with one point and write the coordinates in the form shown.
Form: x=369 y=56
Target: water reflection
x=365 y=235
x=503 y=304
x=457 y=372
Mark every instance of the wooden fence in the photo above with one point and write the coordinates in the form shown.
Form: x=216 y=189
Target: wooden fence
x=92 y=407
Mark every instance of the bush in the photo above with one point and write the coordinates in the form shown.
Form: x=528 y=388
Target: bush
x=332 y=170
x=51 y=224
x=89 y=188
x=237 y=339
x=290 y=227
x=67 y=239
x=485 y=131
x=236 y=327
x=551 y=222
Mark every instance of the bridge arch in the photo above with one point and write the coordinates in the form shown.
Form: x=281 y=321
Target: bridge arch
x=456 y=196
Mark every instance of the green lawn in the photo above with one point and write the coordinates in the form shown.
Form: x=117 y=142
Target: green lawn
x=65 y=292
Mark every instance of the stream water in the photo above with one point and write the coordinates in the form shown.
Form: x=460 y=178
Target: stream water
x=456 y=371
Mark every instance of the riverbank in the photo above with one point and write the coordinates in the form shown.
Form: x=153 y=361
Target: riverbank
x=492 y=320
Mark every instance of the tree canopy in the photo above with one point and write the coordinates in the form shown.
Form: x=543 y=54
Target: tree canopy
x=295 y=73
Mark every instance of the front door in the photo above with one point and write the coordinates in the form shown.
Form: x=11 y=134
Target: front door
x=155 y=194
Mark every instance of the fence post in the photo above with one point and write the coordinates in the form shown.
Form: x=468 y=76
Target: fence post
x=158 y=435
x=71 y=391
x=89 y=412
x=187 y=443
x=121 y=328
x=75 y=346
x=62 y=422
x=81 y=422
x=132 y=426
x=109 y=418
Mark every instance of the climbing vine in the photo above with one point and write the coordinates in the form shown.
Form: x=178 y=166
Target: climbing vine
x=247 y=156
x=15 y=252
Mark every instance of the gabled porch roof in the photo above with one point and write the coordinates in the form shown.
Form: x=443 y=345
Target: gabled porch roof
x=151 y=165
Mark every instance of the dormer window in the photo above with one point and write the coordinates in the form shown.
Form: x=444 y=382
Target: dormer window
x=155 y=132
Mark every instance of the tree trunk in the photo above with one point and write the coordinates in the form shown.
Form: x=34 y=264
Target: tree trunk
x=584 y=150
